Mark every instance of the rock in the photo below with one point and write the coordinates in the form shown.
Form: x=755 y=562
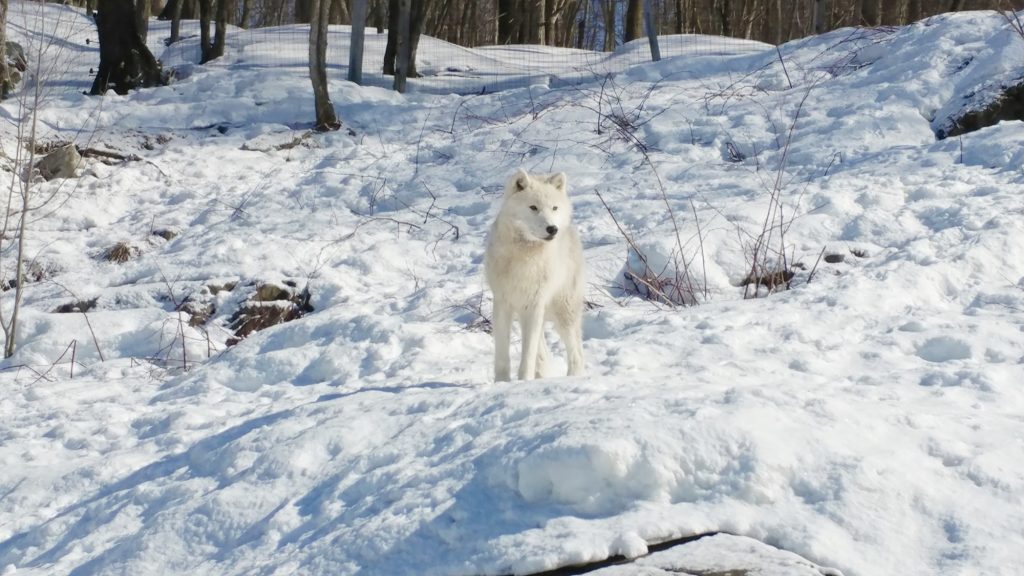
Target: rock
x=166 y=233
x=271 y=305
x=16 y=65
x=270 y=292
x=985 y=108
x=16 y=56
x=60 y=163
x=77 y=306
x=714 y=555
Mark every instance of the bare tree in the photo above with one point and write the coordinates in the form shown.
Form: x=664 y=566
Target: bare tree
x=24 y=197
x=326 y=118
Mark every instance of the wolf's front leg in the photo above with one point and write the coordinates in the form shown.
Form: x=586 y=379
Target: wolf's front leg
x=532 y=322
x=501 y=327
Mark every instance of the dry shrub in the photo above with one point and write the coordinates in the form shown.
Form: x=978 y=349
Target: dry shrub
x=120 y=253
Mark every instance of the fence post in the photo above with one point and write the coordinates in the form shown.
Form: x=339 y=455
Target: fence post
x=652 y=30
x=355 y=49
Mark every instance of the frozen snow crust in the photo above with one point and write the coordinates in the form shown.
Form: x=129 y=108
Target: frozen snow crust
x=869 y=419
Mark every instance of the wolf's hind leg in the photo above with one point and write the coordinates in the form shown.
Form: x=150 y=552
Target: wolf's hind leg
x=532 y=322
x=501 y=327
x=570 y=329
x=542 y=354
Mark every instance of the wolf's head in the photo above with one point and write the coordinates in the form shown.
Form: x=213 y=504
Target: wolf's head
x=537 y=205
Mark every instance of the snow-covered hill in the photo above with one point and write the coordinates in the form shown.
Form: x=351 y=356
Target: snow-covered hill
x=867 y=419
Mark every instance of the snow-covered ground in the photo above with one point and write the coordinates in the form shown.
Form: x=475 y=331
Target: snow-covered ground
x=869 y=419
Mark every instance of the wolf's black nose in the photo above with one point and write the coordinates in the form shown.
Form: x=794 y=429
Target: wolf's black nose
x=552 y=230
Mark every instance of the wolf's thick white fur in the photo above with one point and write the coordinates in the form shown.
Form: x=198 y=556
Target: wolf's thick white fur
x=534 y=266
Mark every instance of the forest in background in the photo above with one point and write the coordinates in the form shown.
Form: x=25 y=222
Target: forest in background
x=590 y=24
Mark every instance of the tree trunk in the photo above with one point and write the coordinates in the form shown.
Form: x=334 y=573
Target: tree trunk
x=243 y=20
x=915 y=11
x=407 y=31
x=650 y=28
x=205 y=45
x=956 y=5
x=869 y=12
x=467 y=24
x=220 y=35
x=780 y=34
x=506 y=21
x=339 y=12
x=380 y=15
x=176 y=21
x=186 y=8
x=391 y=48
x=143 y=10
x=532 y=21
x=581 y=27
x=402 y=35
x=5 y=74
x=892 y=13
x=355 y=51
x=549 y=23
x=417 y=15
x=303 y=11
x=608 y=14
x=820 y=16
x=633 y=27
x=724 y=17
x=125 y=62
x=326 y=119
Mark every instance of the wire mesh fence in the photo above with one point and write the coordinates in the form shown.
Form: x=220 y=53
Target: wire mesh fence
x=442 y=67
x=449 y=68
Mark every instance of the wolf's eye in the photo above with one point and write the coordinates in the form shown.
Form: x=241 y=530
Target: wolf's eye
x=554 y=208
x=534 y=208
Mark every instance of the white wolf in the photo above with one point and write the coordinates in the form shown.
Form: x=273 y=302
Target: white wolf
x=534 y=266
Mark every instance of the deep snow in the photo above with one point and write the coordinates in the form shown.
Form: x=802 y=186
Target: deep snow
x=869 y=419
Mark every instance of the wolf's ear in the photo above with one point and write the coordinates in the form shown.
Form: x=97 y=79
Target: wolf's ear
x=558 y=181
x=522 y=181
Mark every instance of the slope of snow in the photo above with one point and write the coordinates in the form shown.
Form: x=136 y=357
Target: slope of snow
x=868 y=419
